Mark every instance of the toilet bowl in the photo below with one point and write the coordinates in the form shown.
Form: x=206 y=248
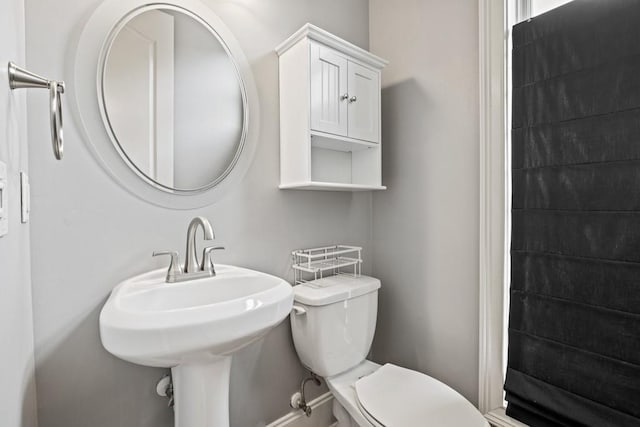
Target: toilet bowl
x=333 y=324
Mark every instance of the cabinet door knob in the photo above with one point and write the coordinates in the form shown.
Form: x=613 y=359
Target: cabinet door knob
x=353 y=99
x=345 y=96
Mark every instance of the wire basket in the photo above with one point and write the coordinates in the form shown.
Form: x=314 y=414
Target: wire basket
x=316 y=263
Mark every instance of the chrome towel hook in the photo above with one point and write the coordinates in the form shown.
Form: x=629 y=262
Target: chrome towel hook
x=19 y=78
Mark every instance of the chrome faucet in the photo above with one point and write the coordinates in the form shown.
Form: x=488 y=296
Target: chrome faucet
x=191 y=264
x=193 y=269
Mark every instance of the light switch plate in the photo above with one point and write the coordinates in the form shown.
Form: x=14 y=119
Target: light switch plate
x=4 y=200
x=25 y=197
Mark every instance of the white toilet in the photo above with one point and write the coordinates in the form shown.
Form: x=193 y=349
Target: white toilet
x=333 y=324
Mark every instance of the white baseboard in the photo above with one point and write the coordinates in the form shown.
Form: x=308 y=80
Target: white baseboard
x=321 y=415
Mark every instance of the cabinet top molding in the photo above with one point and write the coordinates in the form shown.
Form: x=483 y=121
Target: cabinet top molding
x=312 y=32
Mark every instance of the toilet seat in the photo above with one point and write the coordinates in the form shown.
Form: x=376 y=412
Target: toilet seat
x=342 y=386
x=370 y=418
x=398 y=397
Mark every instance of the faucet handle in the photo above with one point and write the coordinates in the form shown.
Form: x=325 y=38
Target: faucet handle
x=207 y=260
x=175 y=269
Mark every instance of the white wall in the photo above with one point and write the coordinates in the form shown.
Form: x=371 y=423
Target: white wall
x=91 y=233
x=426 y=224
x=17 y=390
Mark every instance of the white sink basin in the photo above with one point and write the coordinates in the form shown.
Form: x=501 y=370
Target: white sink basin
x=154 y=323
x=193 y=327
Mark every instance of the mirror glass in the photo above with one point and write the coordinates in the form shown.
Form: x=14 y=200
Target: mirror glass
x=173 y=100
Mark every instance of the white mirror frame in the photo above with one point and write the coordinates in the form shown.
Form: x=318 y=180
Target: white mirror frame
x=92 y=42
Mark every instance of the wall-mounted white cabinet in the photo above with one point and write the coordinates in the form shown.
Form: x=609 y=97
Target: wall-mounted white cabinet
x=345 y=96
x=329 y=113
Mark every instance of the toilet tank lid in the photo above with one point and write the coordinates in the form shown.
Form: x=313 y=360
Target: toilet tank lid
x=333 y=289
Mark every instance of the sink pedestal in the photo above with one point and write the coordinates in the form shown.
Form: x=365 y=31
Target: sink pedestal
x=201 y=393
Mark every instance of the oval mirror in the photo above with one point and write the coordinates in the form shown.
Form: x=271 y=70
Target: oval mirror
x=172 y=99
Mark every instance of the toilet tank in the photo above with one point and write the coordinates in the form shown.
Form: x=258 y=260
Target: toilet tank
x=333 y=322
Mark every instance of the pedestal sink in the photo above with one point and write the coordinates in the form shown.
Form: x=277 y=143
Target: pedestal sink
x=193 y=327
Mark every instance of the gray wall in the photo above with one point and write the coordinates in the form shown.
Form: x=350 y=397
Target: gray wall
x=426 y=224
x=17 y=392
x=89 y=233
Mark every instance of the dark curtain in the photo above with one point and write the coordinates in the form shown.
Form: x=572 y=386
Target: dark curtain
x=574 y=322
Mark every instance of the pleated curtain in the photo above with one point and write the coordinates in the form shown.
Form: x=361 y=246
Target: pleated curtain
x=574 y=317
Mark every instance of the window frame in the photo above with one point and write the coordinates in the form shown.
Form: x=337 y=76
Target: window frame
x=496 y=18
x=495 y=21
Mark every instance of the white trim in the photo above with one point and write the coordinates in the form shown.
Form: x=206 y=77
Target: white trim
x=499 y=418
x=492 y=61
x=321 y=414
x=494 y=18
x=524 y=10
x=318 y=34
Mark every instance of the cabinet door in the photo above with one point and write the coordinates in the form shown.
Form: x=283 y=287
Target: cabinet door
x=328 y=90
x=364 y=103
